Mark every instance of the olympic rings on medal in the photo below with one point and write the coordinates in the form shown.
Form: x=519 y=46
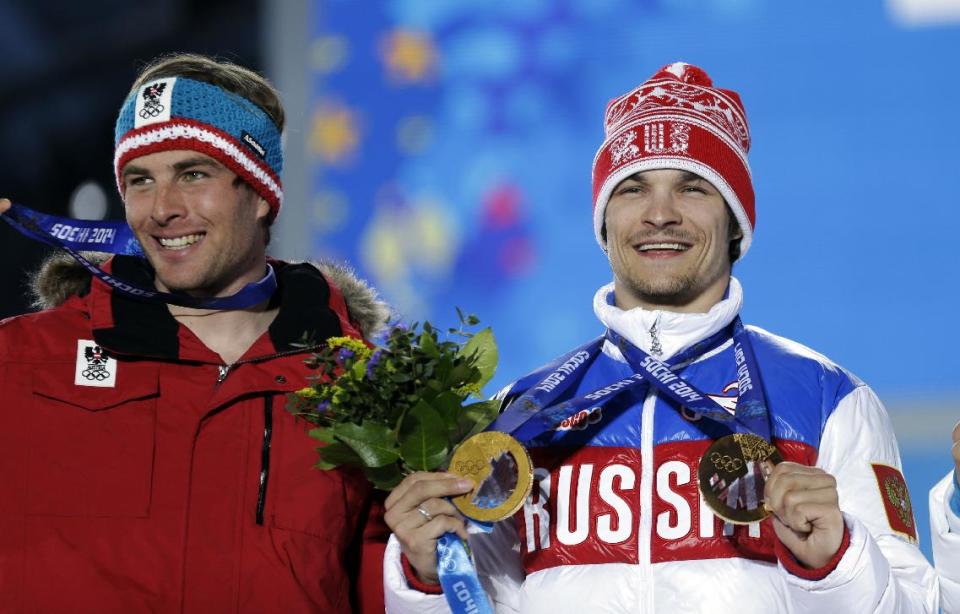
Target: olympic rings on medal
x=726 y=462
x=732 y=476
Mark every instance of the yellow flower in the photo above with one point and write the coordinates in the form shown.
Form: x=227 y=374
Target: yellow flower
x=469 y=389
x=359 y=348
x=307 y=393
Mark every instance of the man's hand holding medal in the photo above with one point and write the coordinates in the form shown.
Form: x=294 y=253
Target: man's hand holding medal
x=419 y=512
x=806 y=512
x=743 y=479
x=491 y=476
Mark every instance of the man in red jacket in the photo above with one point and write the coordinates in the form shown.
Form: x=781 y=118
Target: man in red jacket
x=148 y=463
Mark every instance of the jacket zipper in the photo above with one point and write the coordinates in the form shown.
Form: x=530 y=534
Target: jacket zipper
x=224 y=370
x=655 y=348
x=265 y=456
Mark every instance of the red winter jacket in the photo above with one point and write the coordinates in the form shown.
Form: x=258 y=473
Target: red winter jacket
x=140 y=475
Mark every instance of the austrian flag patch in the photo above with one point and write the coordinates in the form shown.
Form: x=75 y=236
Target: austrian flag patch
x=896 y=500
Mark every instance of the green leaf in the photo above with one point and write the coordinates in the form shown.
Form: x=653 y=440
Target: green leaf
x=461 y=373
x=322 y=434
x=373 y=442
x=449 y=406
x=428 y=344
x=336 y=454
x=323 y=465
x=423 y=438
x=476 y=417
x=484 y=346
x=384 y=478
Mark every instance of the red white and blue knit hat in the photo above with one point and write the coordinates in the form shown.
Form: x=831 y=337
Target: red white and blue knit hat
x=181 y=113
x=677 y=120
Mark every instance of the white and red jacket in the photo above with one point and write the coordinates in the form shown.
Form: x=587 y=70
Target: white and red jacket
x=615 y=522
x=945 y=532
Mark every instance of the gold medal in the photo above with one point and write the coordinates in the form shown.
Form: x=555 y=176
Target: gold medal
x=732 y=476
x=500 y=467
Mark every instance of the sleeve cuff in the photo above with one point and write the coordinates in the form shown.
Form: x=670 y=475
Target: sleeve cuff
x=795 y=567
x=416 y=583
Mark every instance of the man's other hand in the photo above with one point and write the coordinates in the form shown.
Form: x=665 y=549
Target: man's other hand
x=418 y=513
x=806 y=512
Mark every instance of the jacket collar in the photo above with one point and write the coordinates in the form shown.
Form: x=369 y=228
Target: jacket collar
x=674 y=332
x=139 y=328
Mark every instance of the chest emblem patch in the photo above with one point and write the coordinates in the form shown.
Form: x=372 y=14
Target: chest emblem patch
x=94 y=366
x=896 y=500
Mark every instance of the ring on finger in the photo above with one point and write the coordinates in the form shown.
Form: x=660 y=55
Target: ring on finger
x=424 y=513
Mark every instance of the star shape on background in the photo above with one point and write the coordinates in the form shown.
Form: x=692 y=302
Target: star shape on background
x=409 y=57
x=334 y=133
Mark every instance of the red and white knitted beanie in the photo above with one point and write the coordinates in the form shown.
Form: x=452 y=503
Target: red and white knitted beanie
x=677 y=120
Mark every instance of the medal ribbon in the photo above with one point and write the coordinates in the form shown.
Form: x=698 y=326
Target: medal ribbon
x=118 y=238
x=101 y=236
x=458 y=577
x=751 y=413
x=536 y=411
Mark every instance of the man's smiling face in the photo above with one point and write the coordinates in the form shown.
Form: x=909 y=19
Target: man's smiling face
x=668 y=240
x=201 y=228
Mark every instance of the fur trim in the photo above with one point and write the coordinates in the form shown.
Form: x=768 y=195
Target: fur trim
x=366 y=309
x=60 y=276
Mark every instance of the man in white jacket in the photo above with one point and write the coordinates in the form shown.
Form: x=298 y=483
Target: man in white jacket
x=945 y=530
x=615 y=522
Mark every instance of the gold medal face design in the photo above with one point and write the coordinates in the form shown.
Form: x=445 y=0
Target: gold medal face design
x=732 y=475
x=501 y=468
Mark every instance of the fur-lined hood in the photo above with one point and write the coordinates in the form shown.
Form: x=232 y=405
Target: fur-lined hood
x=60 y=276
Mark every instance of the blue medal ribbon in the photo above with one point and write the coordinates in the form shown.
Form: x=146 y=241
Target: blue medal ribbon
x=458 y=577
x=751 y=415
x=536 y=411
x=118 y=238
x=101 y=236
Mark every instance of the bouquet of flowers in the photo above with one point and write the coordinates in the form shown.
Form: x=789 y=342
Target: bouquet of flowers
x=400 y=407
